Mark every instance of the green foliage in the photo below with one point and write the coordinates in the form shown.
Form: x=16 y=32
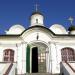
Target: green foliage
x=71 y=28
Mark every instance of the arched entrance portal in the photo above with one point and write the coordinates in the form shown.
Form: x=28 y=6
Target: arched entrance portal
x=37 y=57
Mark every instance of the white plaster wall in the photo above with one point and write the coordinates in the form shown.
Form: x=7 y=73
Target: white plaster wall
x=33 y=37
x=1 y=54
x=64 y=45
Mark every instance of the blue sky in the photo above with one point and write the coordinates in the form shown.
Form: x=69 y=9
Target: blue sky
x=18 y=12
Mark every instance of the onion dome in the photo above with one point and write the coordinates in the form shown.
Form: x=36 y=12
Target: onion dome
x=15 y=30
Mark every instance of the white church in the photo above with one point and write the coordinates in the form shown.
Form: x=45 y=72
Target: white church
x=38 y=50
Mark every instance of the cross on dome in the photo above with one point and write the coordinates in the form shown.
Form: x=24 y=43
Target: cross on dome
x=36 y=7
x=71 y=19
x=37 y=18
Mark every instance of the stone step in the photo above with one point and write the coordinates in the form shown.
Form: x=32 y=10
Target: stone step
x=40 y=74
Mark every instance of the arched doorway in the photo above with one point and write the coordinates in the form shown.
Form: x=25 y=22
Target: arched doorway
x=68 y=54
x=36 y=57
x=39 y=49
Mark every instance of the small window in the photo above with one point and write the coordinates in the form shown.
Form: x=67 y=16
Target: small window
x=68 y=54
x=36 y=20
x=9 y=55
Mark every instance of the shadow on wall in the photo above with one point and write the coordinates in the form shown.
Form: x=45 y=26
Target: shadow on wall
x=63 y=70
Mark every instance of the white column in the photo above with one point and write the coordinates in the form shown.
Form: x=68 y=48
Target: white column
x=21 y=58
x=54 y=60
x=24 y=46
x=57 y=64
x=50 y=59
x=47 y=60
x=58 y=57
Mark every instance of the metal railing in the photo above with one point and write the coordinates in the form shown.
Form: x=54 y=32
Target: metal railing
x=8 y=70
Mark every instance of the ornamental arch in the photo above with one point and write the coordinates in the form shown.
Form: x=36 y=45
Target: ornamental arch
x=36 y=55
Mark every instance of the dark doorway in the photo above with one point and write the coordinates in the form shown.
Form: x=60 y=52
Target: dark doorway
x=34 y=60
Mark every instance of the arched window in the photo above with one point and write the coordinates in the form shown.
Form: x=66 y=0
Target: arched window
x=67 y=54
x=8 y=55
x=36 y=20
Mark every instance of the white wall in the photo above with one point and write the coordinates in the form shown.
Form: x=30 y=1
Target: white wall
x=33 y=37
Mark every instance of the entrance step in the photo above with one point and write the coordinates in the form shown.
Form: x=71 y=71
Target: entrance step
x=40 y=74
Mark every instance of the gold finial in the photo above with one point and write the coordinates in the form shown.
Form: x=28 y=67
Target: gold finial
x=71 y=19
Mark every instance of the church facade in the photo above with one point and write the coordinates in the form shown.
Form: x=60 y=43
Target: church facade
x=37 y=49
